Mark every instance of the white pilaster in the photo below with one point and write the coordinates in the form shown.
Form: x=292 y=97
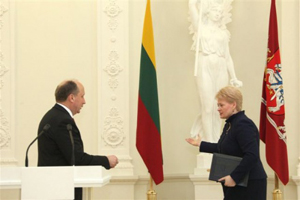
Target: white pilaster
x=7 y=84
x=113 y=75
x=290 y=43
x=113 y=93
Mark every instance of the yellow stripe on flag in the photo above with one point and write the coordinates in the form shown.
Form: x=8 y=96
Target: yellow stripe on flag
x=148 y=41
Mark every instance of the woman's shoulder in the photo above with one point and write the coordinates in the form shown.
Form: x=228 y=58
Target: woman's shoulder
x=242 y=118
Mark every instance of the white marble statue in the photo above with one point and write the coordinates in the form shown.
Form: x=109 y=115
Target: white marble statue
x=213 y=65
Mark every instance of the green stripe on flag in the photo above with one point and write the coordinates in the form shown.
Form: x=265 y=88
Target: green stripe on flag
x=148 y=87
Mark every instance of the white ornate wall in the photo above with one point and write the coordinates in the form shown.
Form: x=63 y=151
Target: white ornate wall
x=99 y=43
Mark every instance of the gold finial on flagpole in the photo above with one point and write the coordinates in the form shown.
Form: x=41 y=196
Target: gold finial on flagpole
x=151 y=194
x=277 y=194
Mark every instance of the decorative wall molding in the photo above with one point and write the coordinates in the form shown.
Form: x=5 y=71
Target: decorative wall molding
x=7 y=133
x=113 y=69
x=5 y=138
x=113 y=76
x=112 y=10
x=113 y=129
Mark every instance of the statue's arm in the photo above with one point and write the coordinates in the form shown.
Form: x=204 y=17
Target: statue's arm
x=194 y=14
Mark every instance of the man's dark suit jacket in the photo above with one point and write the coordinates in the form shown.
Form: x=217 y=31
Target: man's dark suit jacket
x=55 y=147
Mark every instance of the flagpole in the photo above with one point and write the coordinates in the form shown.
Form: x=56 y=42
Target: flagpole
x=277 y=194
x=151 y=194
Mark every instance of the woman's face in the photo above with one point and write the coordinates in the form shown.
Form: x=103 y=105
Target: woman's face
x=215 y=13
x=226 y=109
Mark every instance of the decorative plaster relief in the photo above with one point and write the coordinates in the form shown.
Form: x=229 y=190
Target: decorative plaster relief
x=4 y=134
x=7 y=137
x=4 y=126
x=113 y=124
x=113 y=69
x=3 y=68
x=3 y=8
x=112 y=10
x=113 y=129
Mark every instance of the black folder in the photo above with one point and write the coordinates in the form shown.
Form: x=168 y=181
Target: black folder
x=222 y=165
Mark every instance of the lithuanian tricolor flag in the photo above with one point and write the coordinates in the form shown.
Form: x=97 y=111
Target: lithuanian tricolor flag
x=148 y=138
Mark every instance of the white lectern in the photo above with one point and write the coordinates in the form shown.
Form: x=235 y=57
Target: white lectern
x=52 y=183
x=47 y=183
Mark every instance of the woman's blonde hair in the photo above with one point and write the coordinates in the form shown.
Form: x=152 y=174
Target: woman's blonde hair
x=231 y=94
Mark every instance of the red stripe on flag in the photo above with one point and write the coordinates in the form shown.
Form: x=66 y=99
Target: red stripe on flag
x=148 y=143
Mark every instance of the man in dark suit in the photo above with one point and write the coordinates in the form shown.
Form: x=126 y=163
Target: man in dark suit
x=55 y=146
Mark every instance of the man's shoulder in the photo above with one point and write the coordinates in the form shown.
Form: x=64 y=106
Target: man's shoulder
x=57 y=112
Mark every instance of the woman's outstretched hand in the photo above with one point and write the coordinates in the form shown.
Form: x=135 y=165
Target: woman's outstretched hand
x=194 y=141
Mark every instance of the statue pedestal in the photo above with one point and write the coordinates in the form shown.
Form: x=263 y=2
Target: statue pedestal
x=201 y=182
x=205 y=189
x=203 y=164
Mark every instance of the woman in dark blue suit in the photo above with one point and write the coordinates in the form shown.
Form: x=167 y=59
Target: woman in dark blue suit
x=240 y=137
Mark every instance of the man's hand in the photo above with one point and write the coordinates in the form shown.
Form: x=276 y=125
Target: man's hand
x=113 y=160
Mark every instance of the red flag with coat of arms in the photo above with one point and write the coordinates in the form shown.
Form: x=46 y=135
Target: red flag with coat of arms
x=272 y=128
